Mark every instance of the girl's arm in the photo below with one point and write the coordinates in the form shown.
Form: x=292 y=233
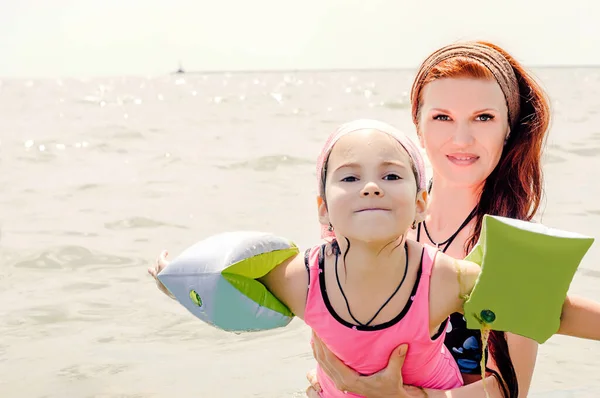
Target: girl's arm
x=451 y=281
x=289 y=283
x=580 y=318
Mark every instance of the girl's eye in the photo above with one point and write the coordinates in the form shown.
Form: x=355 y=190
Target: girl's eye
x=443 y=118
x=485 y=117
x=349 y=179
x=392 y=177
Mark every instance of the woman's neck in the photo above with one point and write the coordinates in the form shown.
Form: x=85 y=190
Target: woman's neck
x=449 y=206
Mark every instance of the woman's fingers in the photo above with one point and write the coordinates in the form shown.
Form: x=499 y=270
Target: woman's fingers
x=311 y=393
x=311 y=376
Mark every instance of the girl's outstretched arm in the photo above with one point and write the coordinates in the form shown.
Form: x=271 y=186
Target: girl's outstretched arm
x=288 y=281
x=580 y=318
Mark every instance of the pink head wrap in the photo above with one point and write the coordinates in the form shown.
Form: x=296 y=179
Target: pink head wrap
x=367 y=124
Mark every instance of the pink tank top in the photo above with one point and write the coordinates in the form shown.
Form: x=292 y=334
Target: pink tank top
x=367 y=349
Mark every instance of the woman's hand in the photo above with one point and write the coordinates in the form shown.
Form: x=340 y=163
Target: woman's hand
x=386 y=383
x=311 y=392
x=315 y=388
x=161 y=263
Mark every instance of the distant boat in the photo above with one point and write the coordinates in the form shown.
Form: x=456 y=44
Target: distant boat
x=180 y=70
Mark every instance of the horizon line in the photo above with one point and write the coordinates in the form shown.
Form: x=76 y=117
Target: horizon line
x=277 y=70
x=374 y=69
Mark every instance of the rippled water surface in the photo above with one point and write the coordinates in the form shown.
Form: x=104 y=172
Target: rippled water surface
x=97 y=176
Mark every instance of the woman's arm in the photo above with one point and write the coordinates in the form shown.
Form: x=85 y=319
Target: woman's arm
x=473 y=390
x=387 y=383
x=580 y=318
x=523 y=354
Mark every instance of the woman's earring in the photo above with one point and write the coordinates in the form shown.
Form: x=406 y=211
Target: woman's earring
x=330 y=228
x=414 y=224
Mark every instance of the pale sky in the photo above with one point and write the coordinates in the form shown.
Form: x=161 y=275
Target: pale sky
x=62 y=38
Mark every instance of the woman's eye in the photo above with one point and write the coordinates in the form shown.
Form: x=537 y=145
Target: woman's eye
x=485 y=117
x=349 y=179
x=392 y=177
x=441 y=117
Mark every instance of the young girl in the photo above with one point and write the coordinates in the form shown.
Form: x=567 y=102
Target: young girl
x=372 y=191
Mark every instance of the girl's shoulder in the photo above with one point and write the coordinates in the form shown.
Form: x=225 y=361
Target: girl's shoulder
x=288 y=281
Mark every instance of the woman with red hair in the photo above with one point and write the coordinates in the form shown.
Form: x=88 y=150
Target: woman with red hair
x=483 y=121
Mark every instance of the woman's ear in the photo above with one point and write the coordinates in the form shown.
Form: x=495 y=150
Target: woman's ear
x=322 y=211
x=420 y=137
x=507 y=136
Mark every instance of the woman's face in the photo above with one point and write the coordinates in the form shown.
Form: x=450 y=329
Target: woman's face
x=463 y=124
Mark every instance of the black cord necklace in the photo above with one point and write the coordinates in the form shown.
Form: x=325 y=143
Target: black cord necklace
x=336 y=249
x=446 y=244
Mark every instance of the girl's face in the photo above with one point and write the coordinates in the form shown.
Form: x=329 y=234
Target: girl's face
x=463 y=124
x=370 y=190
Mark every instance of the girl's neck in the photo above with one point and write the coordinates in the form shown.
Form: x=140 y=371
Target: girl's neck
x=449 y=205
x=367 y=257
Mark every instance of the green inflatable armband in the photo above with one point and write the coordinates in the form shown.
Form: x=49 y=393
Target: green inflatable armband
x=526 y=271
x=216 y=280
